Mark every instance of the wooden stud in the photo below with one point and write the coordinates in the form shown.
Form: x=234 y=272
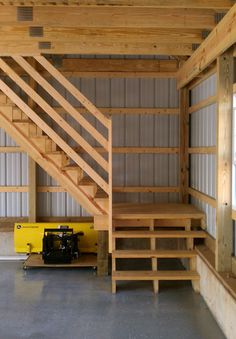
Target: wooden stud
x=184 y=144
x=102 y=257
x=224 y=228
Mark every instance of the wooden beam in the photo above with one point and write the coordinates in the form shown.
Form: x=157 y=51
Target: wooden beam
x=206 y=4
x=137 y=150
x=127 y=189
x=32 y=190
x=11 y=149
x=224 y=228
x=108 y=68
x=234 y=88
x=32 y=166
x=202 y=150
x=204 y=103
x=146 y=189
x=218 y=41
x=118 y=68
x=128 y=110
x=203 y=197
x=122 y=17
x=33 y=48
x=104 y=34
x=184 y=144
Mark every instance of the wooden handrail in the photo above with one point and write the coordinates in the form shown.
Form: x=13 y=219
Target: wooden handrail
x=53 y=135
x=73 y=90
x=54 y=115
x=62 y=101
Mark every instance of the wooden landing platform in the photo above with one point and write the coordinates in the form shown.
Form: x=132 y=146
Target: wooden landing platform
x=156 y=211
x=86 y=260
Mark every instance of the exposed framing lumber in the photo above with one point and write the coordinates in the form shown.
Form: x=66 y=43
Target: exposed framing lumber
x=202 y=104
x=73 y=90
x=89 y=35
x=205 y=74
x=213 y=4
x=138 y=150
x=122 y=17
x=109 y=68
x=32 y=190
x=224 y=228
x=234 y=88
x=32 y=48
x=218 y=41
x=129 y=110
x=203 y=197
x=32 y=166
x=9 y=149
x=52 y=134
x=115 y=150
x=202 y=150
x=184 y=144
x=146 y=189
x=127 y=189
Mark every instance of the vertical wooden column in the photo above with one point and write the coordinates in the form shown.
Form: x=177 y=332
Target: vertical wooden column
x=224 y=227
x=102 y=257
x=184 y=143
x=32 y=192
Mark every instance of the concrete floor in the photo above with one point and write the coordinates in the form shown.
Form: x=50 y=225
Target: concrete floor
x=75 y=304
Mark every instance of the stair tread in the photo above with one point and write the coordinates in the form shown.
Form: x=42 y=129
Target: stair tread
x=155 y=275
x=100 y=194
x=87 y=181
x=154 y=253
x=71 y=168
x=159 y=234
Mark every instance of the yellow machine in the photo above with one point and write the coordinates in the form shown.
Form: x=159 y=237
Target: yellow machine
x=28 y=236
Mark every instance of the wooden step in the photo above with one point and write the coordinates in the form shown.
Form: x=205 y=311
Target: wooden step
x=60 y=159
x=159 y=234
x=28 y=128
x=74 y=172
x=101 y=198
x=4 y=100
x=155 y=275
x=153 y=254
x=88 y=185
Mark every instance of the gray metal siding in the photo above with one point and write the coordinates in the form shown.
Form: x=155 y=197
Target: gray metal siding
x=203 y=134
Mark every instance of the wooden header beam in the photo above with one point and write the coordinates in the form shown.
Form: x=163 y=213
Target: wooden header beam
x=219 y=40
x=213 y=4
x=108 y=68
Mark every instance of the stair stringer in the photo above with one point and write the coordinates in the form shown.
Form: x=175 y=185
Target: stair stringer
x=62 y=178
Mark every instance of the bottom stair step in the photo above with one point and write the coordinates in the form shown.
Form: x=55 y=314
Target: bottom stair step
x=154 y=275
x=154 y=254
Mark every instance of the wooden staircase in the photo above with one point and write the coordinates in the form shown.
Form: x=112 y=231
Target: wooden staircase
x=129 y=226
x=92 y=190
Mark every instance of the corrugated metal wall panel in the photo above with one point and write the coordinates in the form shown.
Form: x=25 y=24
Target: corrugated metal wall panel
x=203 y=134
x=210 y=215
x=128 y=130
x=204 y=90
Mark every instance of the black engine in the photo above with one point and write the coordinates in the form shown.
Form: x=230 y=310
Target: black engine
x=60 y=246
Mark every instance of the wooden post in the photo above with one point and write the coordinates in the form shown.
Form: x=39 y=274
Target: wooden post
x=184 y=144
x=32 y=190
x=224 y=227
x=102 y=257
x=154 y=260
